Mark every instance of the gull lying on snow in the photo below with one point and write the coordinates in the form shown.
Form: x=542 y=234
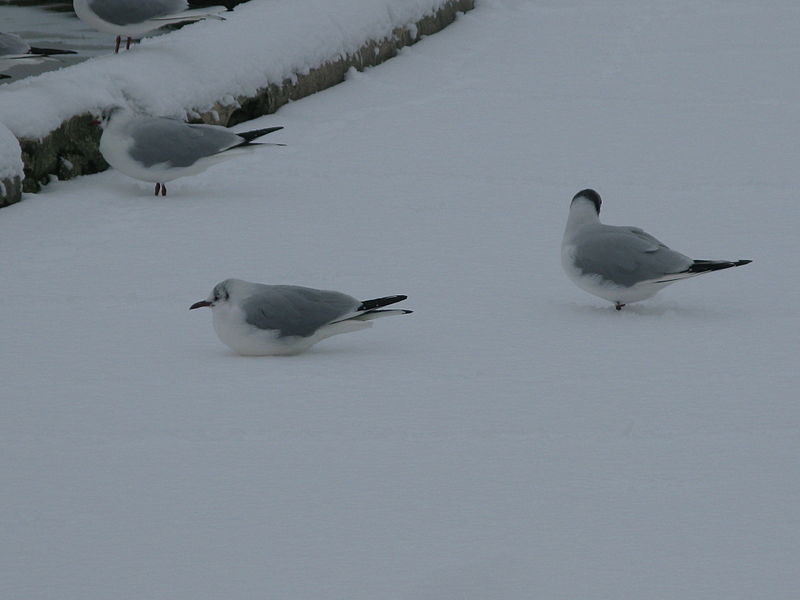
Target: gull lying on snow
x=160 y=149
x=257 y=319
x=622 y=264
x=134 y=18
x=16 y=51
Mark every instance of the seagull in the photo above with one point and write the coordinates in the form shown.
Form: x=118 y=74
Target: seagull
x=159 y=149
x=622 y=264
x=16 y=51
x=254 y=319
x=134 y=18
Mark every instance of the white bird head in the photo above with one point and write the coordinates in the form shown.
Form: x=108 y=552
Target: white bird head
x=221 y=293
x=588 y=195
x=107 y=114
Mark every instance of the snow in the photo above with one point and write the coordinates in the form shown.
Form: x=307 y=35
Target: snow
x=10 y=154
x=258 y=43
x=513 y=438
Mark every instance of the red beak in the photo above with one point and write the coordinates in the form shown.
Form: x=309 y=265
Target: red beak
x=200 y=304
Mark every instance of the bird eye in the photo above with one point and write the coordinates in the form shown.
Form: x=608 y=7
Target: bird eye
x=220 y=293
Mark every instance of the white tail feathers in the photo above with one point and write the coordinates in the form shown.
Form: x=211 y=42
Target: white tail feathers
x=377 y=314
x=370 y=315
x=197 y=14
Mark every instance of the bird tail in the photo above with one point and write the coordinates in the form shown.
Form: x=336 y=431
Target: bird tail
x=197 y=14
x=247 y=144
x=49 y=51
x=699 y=267
x=371 y=309
x=377 y=314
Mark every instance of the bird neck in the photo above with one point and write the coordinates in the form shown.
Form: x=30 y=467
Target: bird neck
x=582 y=212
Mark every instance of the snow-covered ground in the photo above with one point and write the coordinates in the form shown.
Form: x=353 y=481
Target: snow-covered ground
x=514 y=438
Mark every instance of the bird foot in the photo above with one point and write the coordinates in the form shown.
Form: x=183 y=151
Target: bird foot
x=618 y=305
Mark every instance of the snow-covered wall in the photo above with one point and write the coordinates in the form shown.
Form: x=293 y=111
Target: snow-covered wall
x=262 y=55
x=11 y=172
x=10 y=158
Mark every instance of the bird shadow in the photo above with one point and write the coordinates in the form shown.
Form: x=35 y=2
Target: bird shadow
x=314 y=351
x=659 y=309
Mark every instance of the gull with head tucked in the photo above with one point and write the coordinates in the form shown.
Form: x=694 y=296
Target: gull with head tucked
x=160 y=149
x=255 y=319
x=622 y=264
x=16 y=51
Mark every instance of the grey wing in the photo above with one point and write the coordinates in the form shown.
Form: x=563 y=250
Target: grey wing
x=12 y=45
x=627 y=256
x=295 y=310
x=160 y=140
x=131 y=12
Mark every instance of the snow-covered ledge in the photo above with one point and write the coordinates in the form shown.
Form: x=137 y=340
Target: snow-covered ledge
x=263 y=55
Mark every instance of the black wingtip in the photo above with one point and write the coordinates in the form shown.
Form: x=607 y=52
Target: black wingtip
x=379 y=302
x=249 y=136
x=703 y=266
x=49 y=51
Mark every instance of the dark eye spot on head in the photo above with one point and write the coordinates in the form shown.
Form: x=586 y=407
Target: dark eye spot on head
x=220 y=293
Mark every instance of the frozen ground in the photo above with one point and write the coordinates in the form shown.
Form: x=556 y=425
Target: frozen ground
x=514 y=438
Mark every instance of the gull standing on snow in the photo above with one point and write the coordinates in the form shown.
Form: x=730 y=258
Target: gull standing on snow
x=622 y=264
x=16 y=51
x=134 y=18
x=257 y=320
x=159 y=149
